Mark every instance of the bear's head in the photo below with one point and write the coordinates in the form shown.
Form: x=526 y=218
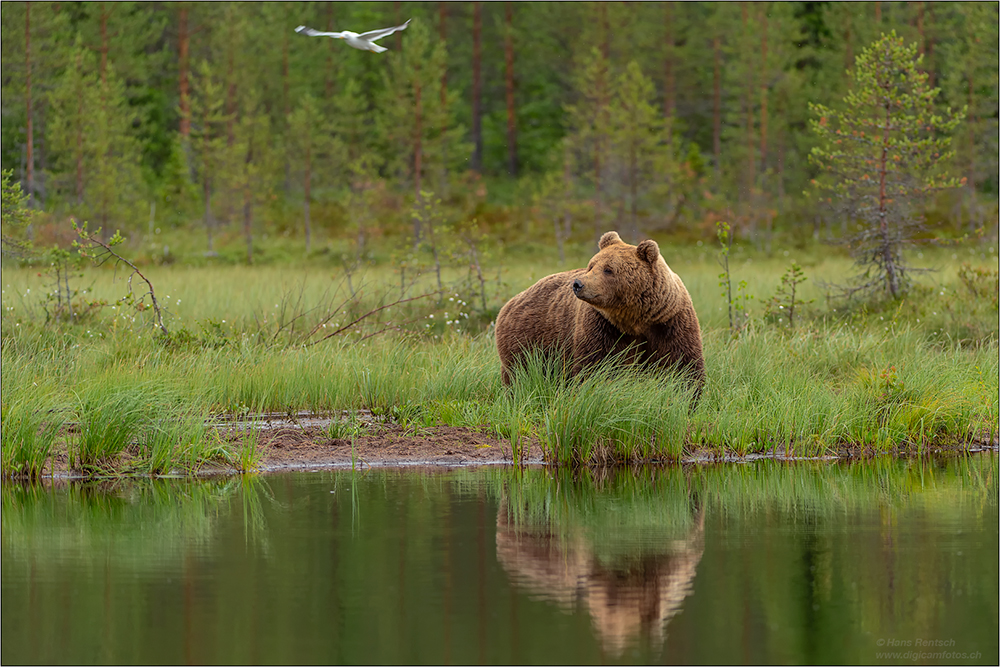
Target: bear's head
x=632 y=286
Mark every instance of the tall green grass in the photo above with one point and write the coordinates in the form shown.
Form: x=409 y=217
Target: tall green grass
x=28 y=434
x=917 y=374
x=31 y=417
x=809 y=393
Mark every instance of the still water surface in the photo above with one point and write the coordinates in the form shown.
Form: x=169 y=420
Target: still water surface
x=754 y=563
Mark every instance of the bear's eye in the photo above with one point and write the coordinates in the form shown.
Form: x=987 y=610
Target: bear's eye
x=608 y=272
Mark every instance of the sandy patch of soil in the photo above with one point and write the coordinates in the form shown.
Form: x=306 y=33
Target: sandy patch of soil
x=287 y=448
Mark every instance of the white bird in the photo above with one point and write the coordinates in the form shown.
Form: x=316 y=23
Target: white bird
x=365 y=41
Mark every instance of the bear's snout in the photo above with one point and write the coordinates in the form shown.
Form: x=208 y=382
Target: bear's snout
x=577 y=286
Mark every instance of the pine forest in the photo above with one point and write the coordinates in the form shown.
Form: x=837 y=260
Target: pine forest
x=554 y=120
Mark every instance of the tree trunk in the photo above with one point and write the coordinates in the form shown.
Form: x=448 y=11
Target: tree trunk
x=886 y=250
x=442 y=34
x=206 y=175
x=605 y=30
x=668 y=64
x=418 y=154
x=878 y=12
x=104 y=43
x=399 y=20
x=717 y=104
x=633 y=178
x=971 y=178
x=848 y=56
x=287 y=103
x=922 y=42
x=477 y=129
x=29 y=172
x=79 y=131
x=567 y=219
x=231 y=92
x=183 y=41
x=763 y=90
x=781 y=168
x=751 y=161
x=248 y=198
x=929 y=60
x=601 y=121
x=508 y=44
x=418 y=151
x=308 y=192
x=208 y=211
x=248 y=222
x=329 y=53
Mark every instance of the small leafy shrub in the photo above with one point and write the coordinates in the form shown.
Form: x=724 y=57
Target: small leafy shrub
x=785 y=300
x=738 y=304
x=981 y=281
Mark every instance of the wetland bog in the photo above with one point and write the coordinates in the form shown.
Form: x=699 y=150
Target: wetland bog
x=908 y=377
x=157 y=541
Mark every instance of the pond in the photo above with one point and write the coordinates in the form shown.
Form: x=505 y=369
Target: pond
x=887 y=562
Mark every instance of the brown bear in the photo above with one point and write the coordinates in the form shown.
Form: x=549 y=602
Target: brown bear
x=626 y=301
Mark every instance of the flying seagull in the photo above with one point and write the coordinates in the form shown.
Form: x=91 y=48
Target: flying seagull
x=365 y=41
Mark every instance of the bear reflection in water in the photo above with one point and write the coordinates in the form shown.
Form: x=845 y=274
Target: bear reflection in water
x=631 y=598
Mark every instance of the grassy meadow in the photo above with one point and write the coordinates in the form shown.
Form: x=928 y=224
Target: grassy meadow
x=96 y=380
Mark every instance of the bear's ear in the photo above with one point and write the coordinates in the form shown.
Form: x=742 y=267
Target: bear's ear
x=609 y=238
x=648 y=251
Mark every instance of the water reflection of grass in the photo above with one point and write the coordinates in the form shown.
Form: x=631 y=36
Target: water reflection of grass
x=628 y=545
x=271 y=564
x=157 y=519
x=607 y=502
x=148 y=522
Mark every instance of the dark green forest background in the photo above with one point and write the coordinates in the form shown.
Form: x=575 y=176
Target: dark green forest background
x=560 y=119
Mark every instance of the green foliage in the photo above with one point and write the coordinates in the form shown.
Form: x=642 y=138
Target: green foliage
x=95 y=152
x=314 y=155
x=981 y=281
x=880 y=156
x=28 y=433
x=109 y=421
x=785 y=301
x=669 y=91
x=15 y=209
x=208 y=123
x=417 y=129
x=15 y=215
x=739 y=313
x=814 y=389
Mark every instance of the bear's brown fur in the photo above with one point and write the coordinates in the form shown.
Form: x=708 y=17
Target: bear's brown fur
x=627 y=301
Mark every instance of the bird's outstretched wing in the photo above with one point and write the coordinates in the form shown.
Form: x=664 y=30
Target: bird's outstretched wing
x=316 y=33
x=372 y=35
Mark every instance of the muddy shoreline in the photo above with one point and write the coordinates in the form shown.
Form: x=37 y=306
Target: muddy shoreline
x=303 y=443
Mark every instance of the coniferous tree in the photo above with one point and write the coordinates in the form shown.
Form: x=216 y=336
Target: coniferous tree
x=249 y=164
x=639 y=155
x=207 y=125
x=413 y=124
x=96 y=153
x=34 y=46
x=477 y=111
x=508 y=50
x=590 y=128
x=314 y=154
x=882 y=155
x=970 y=79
